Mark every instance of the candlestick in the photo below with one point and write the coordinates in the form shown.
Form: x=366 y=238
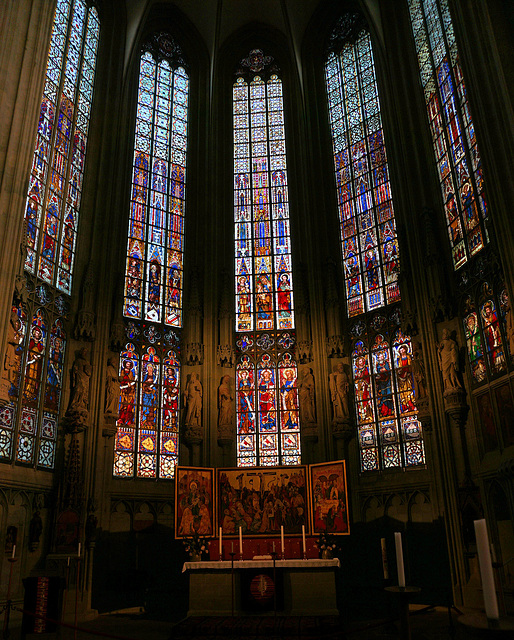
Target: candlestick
x=486 y=571
x=241 y=541
x=13 y=551
x=282 y=540
x=385 y=565
x=303 y=542
x=399 y=558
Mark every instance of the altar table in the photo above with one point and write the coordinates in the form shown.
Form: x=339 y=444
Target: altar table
x=308 y=587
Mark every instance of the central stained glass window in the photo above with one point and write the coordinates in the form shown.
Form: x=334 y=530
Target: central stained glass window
x=147 y=437
x=268 y=429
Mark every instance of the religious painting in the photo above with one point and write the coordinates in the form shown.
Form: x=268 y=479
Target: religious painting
x=261 y=500
x=489 y=435
x=194 y=502
x=329 y=495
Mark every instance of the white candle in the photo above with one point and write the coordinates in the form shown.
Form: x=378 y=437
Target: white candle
x=303 y=540
x=399 y=558
x=79 y=551
x=486 y=570
x=273 y=546
x=13 y=551
x=240 y=541
x=282 y=538
x=68 y=563
x=232 y=549
x=221 y=541
x=385 y=566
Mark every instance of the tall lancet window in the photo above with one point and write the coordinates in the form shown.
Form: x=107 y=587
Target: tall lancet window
x=382 y=358
x=453 y=133
x=36 y=335
x=268 y=429
x=146 y=443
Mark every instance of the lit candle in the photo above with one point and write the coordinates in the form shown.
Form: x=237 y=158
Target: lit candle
x=79 y=551
x=221 y=541
x=282 y=538
x=486 y=570
x=303 y=540
x=13 y=551
x=399 y=558
x=240 y=541
x=385 y=566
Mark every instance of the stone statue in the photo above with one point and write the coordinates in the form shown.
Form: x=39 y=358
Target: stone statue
x=339 y=387
x=193 y=402
x=418 y=371
x=448 y=356
x=307 y=398
x=225 y=410
x=112 y=391
x=12 y=359
x=80 y=378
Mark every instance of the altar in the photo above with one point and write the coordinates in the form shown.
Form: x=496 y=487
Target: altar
x=295 y=587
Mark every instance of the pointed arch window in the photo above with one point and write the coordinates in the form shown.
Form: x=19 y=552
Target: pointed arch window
x=146 y=444
x=390 y=436
x=268 y=430
x=36 y=334
x=453 y=133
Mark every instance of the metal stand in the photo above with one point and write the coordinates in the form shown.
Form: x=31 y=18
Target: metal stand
x=8 y=605
x=232 y=554
x=403 y=595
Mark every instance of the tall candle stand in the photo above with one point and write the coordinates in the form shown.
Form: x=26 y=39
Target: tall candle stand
x=8 y=605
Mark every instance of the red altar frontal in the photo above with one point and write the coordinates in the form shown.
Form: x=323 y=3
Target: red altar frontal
x=259 y=587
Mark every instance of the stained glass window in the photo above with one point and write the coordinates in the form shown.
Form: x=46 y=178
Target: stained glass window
x=147 y=436
x=485 y=320
x=147 y=439
x=37 y=338
x=55 y=185
x=34 y=361
x=366 y=213
x=453 y=134
x=389 y=433
x=154 y=269
x=268 y=430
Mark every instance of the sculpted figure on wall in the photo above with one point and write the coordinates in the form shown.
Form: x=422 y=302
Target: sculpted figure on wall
x=339 y=388
x=307 y=398
x=225 y=408
x=78 y=408
x=448 y=356
x=193 y=402
x=112 y=389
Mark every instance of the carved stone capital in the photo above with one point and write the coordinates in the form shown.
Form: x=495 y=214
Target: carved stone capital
x=304 y=351
x=193 y=353
x=194 y=435
x=85 y=327
x=225 y=355
x=335 y=346
x=424 y=413
x=109 y=428
x=455 y=406
x=343 y=429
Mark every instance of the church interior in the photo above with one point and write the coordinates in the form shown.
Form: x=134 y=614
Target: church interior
x=255 y=235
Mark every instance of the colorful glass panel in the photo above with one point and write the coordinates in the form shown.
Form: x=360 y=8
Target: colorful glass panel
x=264 y=295
x=154 y=267
x=266 y=383
x=147 y=438
x=453 y=133
x=390 y=435
x=55 y=184
x=366 y=214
